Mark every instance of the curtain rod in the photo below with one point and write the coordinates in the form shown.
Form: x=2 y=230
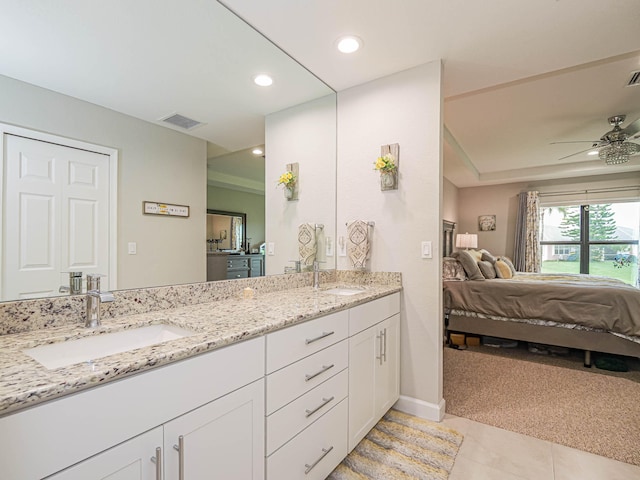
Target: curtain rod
x=598 y=190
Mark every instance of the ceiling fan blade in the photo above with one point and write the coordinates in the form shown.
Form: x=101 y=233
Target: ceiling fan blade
x=576 y=141
x=577 y=153
x=632 y=128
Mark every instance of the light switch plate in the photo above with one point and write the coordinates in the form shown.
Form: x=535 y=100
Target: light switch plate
x=271 y=248
x=132 y=248
x=329 y=248
x=342 y=247
x=426 y=249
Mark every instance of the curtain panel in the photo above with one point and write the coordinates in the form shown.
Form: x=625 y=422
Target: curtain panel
x=526 y=255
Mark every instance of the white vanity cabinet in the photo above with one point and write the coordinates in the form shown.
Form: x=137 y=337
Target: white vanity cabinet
x=374 y=359
x=214 y=401
x=134 y=459
x=306 y=406
x=223 y=439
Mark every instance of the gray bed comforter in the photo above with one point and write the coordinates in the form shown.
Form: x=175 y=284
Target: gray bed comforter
x=595 y=302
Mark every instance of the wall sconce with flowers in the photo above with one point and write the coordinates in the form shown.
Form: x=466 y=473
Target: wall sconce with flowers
x=387 y=164
x=289 y=181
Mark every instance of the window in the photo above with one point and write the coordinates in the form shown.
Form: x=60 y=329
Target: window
x=560 y=250
x=599 y=239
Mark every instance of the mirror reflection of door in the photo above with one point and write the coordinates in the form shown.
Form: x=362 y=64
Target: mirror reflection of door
x=56 y=204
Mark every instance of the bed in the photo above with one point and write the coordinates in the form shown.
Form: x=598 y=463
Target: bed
x=590 y=313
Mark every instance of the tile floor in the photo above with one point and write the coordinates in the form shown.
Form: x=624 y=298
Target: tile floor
x=490 y=453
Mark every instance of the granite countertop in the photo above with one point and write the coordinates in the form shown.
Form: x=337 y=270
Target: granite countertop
x=24 y=382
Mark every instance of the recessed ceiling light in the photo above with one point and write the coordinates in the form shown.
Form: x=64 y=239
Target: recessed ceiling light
x=263 y=80
x=257 y=151
x=593 y=152
x=348 y=44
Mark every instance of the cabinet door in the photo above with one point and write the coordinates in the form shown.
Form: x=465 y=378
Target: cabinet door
x=364 y=361
x=388 y=373
x=222 y=439
x=131 y=460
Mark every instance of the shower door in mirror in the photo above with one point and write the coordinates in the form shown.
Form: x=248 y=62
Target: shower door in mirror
x=56 y=218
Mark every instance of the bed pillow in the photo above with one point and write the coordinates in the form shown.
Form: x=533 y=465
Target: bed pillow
x=508 y=261
x=452 y=269
x=502 y=269
x=470 y=265
x=476 y=254
x=487 y=269
x=487 y=257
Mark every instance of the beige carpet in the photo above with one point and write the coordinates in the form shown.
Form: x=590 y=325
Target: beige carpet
x=401 y=447
x=589 y=411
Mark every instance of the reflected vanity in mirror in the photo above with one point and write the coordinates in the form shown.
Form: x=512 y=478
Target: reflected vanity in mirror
x=228 y=250
x=118 y=104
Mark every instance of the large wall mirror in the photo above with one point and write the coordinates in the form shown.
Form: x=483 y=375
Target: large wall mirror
x=110 y=74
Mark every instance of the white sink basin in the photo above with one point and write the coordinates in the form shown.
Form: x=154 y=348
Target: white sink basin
x=62 y=354
x=344 y=291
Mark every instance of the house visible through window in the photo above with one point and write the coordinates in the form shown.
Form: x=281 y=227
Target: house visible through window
x=599 y=239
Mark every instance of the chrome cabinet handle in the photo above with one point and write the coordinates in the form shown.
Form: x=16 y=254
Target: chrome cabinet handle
x=379 y=357
x=325 y=452
x=180 y=449
x=158 y=461
x=324 y=368
x=325 y=401
x=324 y=335
x=384 y=352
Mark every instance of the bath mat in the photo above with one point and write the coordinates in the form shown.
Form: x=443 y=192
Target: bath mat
x=401 y=447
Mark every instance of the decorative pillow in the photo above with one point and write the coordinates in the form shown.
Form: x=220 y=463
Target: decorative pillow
x=476 y=254
x=470 y=265
x=487 y=270
x=508 y=261
x=503 y=270
x=487 y=257
x=452 y=269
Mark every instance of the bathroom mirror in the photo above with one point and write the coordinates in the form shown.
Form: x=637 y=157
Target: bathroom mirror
x=109 y=74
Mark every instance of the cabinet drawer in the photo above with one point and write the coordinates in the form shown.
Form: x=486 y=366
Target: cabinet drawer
x=231 y=274
x=291 y=344
x=302 y=412
x=289 y=383
x=237 y=263
x=368 y=314
x=305 y=456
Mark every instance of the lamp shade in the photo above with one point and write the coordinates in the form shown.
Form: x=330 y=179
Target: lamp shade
x=466 y=240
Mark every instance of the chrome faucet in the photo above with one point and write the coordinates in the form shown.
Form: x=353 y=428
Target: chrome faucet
x=316 y=274
x=75 y=284
x=95 y=298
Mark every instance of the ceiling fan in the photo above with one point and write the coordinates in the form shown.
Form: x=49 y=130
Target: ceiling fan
x=614 y=147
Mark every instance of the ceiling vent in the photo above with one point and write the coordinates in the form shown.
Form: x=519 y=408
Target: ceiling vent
x=634 y=79
x=181 y=121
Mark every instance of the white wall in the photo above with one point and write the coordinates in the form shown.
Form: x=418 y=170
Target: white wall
x=402 y=108
x=155 y=164
x=305 y=134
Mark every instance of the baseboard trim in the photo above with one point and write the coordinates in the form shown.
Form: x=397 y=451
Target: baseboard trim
x=420 y=408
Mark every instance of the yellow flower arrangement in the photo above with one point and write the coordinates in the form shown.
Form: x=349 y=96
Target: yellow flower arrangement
x=386 y=163
x=287 y=179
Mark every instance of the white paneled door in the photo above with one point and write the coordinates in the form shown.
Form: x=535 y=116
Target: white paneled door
x=55 y=216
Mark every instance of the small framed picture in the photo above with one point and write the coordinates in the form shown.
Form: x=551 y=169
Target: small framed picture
x=486 y=223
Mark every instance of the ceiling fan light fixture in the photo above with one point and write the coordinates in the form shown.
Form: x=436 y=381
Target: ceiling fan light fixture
x=618 y=152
